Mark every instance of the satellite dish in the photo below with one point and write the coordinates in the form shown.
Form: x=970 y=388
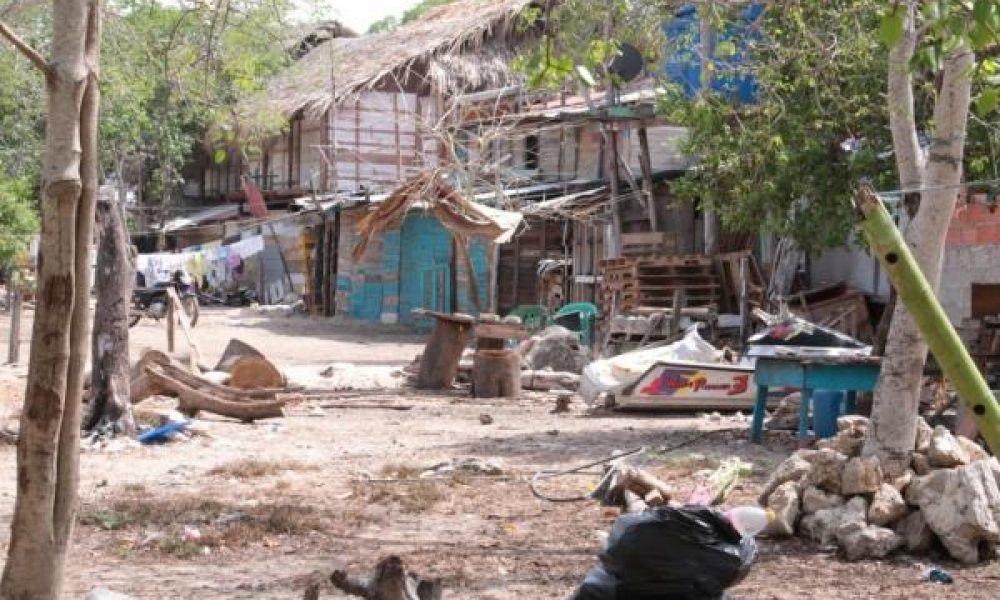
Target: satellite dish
x=628 y=64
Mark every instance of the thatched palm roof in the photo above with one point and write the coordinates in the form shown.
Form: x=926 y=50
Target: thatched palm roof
x=464 y=46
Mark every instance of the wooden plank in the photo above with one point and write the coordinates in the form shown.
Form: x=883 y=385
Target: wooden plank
x=644 y=238
x=501 y=331
x=357 y=136
x=399 y=150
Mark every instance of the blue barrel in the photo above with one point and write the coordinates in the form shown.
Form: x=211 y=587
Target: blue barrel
x=826 y=408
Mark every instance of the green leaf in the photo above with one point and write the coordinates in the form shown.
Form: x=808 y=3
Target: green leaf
x=725 y=49
x=891 y=27
x=981 y=11
x=987 y=101
x=220 y=155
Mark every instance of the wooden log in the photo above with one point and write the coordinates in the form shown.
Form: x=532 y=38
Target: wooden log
x=389 y=581
x=545 y=381
x=178 y=372
x=443 y=352
x=253 y=372
x=496 y=374
x=193 y=400
x=235 y=350
x=642 y=482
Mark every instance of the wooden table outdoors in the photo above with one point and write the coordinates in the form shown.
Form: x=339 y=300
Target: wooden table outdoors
x=851 y=374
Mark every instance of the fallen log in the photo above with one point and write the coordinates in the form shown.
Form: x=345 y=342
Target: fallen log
x=370 y=405
x=544 y=381
x=194 y=400
x=389 y=581
x=143 y=386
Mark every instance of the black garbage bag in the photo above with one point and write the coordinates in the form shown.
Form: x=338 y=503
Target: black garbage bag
x=689 y=553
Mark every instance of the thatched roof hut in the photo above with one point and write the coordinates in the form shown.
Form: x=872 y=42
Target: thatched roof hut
x=459 y=47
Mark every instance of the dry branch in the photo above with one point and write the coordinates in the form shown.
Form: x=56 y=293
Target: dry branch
x=193 y=399
x=24 y=48
x=389 y=581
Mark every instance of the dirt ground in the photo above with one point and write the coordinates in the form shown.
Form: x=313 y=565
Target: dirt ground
x=259 y=511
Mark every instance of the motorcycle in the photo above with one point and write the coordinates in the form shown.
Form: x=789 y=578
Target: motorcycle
x=152 y=302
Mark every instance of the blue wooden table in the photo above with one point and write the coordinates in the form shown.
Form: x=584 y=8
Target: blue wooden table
x=836 y=373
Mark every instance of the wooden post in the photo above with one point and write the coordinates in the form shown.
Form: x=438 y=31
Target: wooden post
x=612 y=244
x=675 y=317
x=744 y=301
x=180 y=315
x=646 y=163
x=325 y=279
x=496 y=374
x=171 y=318
x=443 y=351
x=14 y=347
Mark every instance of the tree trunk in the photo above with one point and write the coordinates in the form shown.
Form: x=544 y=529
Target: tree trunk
x=49 y=442
x=110 y=403
x=496 y=374
x=897 y=398
x=439 y=364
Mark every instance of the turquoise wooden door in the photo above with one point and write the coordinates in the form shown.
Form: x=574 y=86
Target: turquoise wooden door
x=424 y=266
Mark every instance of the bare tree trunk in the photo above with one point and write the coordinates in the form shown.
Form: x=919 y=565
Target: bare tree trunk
x=110 y=404
x=48 y=445
x=897 y=398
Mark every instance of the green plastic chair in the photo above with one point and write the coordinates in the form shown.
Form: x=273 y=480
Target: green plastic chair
x=587 y=314
x=532 y=316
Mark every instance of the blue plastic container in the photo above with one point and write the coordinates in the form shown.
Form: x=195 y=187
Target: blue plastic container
x=826 y=408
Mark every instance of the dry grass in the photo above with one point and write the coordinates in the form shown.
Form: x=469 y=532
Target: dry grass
x=252 y=468
x=408 y=496
x=218 y=523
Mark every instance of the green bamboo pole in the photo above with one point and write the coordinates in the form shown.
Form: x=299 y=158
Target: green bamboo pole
x=916 y=294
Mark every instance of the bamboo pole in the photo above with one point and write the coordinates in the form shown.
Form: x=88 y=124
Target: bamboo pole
x=918 y=296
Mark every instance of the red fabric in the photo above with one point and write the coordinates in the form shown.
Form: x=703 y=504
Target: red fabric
x=255 y=200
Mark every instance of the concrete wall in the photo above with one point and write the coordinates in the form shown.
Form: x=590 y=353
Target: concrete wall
x=963 y=266
x=972 y=255
x=851 y=264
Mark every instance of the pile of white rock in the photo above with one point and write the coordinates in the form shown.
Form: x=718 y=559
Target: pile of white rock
x=837 y=497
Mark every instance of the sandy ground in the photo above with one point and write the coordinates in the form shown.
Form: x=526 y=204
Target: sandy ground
x=298 y=506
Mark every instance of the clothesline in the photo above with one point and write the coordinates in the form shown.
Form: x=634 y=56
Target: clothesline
x=213 y=261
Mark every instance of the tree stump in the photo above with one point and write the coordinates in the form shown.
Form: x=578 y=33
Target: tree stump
x=439 y=365
x=496 y=374
x=110 y=398
x=251 y=372
x=390 y=580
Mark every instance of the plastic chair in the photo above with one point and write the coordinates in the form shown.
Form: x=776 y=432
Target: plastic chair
x=579 y=317
x=532 y=316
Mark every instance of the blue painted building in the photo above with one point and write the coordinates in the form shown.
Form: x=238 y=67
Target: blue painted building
x=411 y=264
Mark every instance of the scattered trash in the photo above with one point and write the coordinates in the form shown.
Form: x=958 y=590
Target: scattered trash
x=161 y=434
x=485 y=419
x=103 y=593
x=749 y=520
x=190 y=534
x=937 y=575
x=477 y=466
x=690 y=552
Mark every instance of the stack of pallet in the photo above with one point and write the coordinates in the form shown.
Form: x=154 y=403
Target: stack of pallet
x=633 y=282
